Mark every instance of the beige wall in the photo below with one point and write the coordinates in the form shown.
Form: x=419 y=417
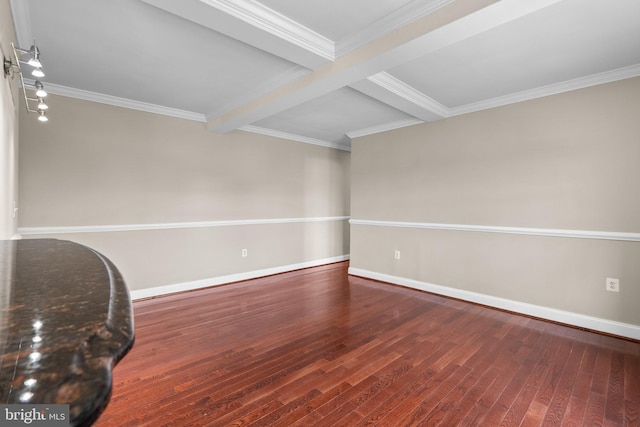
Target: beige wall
x=8 y=131
x=100 y=165
x=569 y=162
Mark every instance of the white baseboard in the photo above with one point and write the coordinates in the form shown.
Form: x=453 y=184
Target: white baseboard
x=221 y=280
x=575 y=319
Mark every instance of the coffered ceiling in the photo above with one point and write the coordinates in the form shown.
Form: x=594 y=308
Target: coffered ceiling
x=326 y=71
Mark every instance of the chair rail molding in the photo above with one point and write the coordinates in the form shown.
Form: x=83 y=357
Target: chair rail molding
x=170 y=225
x=549 y=232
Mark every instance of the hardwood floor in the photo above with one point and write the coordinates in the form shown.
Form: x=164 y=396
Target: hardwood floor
x=318 y=347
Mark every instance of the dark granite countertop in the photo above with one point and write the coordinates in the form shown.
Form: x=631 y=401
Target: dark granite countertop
x=65 y=321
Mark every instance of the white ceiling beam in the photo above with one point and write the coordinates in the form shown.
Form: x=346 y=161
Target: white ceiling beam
x=391 y=22
x=399 y=95
x=256 y=25
x=385 y=127
x=272 y=22
x=293 y=137
x=446 y=26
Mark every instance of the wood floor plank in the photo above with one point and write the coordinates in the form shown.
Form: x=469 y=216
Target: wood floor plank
x=574 y=413
x=631 y=390
x=594 y=414
x=401 y=390
x=614 y=411
x=558 y=405
x=313 y=417
x=319 y=347
x=464 y=406
x=409 y=410
x=491 y=394
x=438 y=406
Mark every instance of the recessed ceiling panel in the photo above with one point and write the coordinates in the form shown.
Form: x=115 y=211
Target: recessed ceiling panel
x=336 y=19
x=572 y=39
x=128 y=49
x=331 y=116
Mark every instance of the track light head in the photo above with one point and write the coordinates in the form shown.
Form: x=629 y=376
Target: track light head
x=34 y=57
x=40 y=92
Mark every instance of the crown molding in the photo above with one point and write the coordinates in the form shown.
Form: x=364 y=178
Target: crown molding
x=383 y=128
x=120 y=102
x=553 y=89
x=403 y=90
x=397 y=19
x=294 y=137
x=272 y=22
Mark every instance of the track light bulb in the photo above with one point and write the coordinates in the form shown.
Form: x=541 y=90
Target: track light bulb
x=43 y=116
x=37 y=72
x=40 y=92
x=42 y=105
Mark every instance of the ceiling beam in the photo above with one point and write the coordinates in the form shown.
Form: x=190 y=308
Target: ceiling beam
x=256 y=25
x=450 y=24
x=408 y=13
x=399 y=95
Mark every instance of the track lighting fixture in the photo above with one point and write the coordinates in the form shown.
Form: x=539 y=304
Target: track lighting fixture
x=12 y=68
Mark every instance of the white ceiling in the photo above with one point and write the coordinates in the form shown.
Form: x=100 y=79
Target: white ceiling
x=325 y=71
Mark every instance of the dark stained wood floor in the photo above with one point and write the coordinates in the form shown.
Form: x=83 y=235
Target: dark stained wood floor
x=319 y=347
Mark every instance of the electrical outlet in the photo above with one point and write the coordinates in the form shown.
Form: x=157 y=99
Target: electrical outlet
x=244 y=253
x=396 y=254
x=613 y=285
